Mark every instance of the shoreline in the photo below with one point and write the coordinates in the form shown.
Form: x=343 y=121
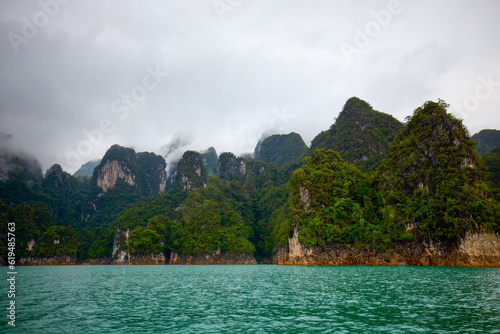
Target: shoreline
x=475 y=250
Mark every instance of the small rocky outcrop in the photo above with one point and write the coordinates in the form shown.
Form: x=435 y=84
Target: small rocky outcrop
x=150 y=258
x=48 y=261
x=214 y=258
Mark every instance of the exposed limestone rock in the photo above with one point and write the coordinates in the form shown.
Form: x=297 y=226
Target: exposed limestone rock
x=186 y=183
x=147 y=259
x=99 y=261
x=120 y=244
x=481 y=248
x=468 y=162
x=112 y=171
x=242 y=170
x=31 y=245
x=121 y=256
x=214 y=258
x=191 y=172
x=163 y=182
x=477 y=250
x=305 y=198
x=47 y=261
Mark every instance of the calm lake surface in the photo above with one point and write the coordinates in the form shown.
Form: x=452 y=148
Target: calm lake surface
x=253 y=299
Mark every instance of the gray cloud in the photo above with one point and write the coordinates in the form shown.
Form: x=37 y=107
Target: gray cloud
x=229 y=78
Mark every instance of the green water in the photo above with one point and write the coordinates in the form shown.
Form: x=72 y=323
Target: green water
x=253 y=299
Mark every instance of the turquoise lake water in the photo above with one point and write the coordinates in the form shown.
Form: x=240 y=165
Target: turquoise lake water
x=253 y=299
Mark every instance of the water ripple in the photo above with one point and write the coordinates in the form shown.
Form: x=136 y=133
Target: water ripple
x=255 y=299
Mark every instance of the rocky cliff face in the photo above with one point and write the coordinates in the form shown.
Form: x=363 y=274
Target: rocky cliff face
x=121 y=256
x=230 y=166
x=113 y=170
x=144 y=170
x=152 y=171
x=191 y=171
x=120 y=244
x=476 y=250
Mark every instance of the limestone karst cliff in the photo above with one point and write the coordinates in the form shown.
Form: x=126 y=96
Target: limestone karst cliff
x=111 y=171
x=191 y=171
x=144 y=170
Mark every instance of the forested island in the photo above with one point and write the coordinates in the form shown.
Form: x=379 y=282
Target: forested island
x=369 y=190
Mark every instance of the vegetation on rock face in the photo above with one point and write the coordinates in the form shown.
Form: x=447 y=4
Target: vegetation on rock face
x=492 y=163
x=280 y=149
x=430 y=184
x=65 y=195
x=211 y=161
x=487 y=140
x=191 y=171
x=57 y=241
x=432 y=181
x=360 y=134
x=230 y=166
x=215 y=218
x=151 y=174
x=326 y=201
x=157 y=237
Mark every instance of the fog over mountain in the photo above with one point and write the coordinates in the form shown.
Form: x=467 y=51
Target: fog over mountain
x=79 y=76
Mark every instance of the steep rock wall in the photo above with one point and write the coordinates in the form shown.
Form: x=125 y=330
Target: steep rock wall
x=111 y=172
x=120 y=244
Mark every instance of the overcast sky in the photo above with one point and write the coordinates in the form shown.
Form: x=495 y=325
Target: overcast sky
x=79 y=76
